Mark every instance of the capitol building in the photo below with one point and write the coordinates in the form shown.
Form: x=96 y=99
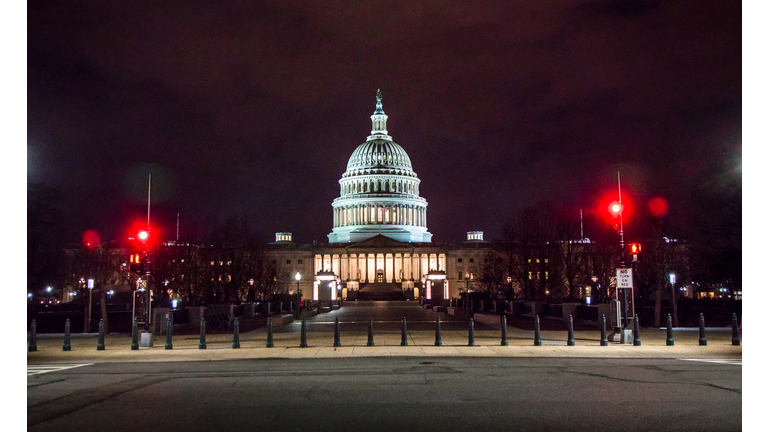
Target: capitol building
x=380 y=246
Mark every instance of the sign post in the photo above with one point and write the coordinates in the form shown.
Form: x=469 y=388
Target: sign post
x=625 y=289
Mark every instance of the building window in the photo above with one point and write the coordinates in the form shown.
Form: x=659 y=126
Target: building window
x=471 y=260
x=300 y=262
x=287 y=261
x=461 y=275
x=459 y=259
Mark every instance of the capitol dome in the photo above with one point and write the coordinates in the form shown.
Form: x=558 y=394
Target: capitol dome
x=379 y=191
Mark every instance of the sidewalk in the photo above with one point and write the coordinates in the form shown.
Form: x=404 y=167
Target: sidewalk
x=387 y=343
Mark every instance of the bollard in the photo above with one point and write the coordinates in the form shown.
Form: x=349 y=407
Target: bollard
x=169 y=332
x=100 y=343
x=471 y=332
x=236 y=335
x=571 y=342
x=33 y=337
x=603 y=336
x=735 y=326
x=67 y=346
x=670 y=338
x=403 y=335
x=504 y=331
x=202 y=344
x=438 y=339
x=702 y=331
x=336 y=335
x=270 y=342
x=370 y=332
x=537 y=333
x=636 y=341
x=135 y=336
x=303 y=333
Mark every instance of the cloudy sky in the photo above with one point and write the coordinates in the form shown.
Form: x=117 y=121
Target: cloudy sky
x=252 y=109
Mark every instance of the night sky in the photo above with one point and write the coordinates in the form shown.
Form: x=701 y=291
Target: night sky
x=252 y=109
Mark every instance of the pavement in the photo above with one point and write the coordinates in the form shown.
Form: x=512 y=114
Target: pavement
x=421 y=337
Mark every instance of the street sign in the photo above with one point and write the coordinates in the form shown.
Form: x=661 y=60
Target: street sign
x=623 y=278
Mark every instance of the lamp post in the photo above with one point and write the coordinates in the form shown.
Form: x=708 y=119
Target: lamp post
x=90 y=302
x=466 y=300
x=48 y=295
x=298 y=278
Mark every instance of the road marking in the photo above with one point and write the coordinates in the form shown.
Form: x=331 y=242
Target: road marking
x=41 y=369
x=735 y=362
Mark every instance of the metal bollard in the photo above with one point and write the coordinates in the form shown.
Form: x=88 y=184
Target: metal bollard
x=33 y=337
x=438 y=339
x=303 y=333
x=702 y=331
x=67 y=346
x=135 y=336
x=636 y=341
x=236 y=335
x=471 y=332
x=504 y=331
x=270 y=341
x=169 y=332
x=403 y=335
x=202 y=344
x=571 y=341
x=537 y=333
x=370 y=332
x=336 y=335
x=100 y=344
x=735 y=326
x=670 y=337
x=603 y=335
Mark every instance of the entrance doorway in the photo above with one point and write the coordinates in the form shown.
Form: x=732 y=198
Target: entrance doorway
x=380 y=276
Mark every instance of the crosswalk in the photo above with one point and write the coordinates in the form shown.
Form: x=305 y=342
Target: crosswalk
x=735 y=362
x=41 y=369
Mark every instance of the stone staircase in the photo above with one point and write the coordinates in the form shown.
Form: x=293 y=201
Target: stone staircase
x=380 y=291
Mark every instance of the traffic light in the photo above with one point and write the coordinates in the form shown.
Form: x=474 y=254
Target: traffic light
x=634 y=250
x=143 y=235
x=615 y=209
x=137 y=264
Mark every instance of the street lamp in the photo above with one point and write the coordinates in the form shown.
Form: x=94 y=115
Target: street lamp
x=48 y=295
x=298 y=278
x=90 y=302
x=466 y=299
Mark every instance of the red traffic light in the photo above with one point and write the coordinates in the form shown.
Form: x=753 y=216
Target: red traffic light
x=634 y=248
x=615 y=208
x=143 y=235
x=616 y=226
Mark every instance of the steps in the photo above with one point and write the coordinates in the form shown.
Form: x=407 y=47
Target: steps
x=380 y=291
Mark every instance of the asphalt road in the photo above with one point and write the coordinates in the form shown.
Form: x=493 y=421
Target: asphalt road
x=389 y=394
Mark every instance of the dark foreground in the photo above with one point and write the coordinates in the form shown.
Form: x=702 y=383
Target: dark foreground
x=389 y=394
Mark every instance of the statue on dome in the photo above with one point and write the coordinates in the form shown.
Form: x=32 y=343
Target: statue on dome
x=378 y=95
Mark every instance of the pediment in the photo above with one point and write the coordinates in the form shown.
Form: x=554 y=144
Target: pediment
x=380 y=242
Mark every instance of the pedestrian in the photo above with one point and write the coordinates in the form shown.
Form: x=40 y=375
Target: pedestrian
x=301 y=307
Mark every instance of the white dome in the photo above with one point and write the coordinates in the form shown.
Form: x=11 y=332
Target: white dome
x=379 y=191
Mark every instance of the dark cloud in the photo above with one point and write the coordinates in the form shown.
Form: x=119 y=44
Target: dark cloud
x=254 y=109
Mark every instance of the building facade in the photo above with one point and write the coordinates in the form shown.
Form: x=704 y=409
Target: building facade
x=380 y=240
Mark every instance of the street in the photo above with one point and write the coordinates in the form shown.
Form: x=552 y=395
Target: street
x=403 y=393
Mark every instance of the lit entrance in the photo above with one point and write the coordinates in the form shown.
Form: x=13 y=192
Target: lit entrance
x=380 y=276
